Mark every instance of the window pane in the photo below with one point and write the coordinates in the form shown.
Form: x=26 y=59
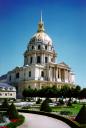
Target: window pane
x=39 y=46
x=29 y=73
x=38 y=59
x=42 y=74
x=31 y=59
x=17 y=75
x=45 y=59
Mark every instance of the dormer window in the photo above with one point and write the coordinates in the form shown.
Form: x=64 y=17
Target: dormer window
x=39 y=47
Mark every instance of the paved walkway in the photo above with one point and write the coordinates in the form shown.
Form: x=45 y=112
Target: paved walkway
x=39 y=121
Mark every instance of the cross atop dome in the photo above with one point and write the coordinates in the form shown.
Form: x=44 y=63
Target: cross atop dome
x=40 y=24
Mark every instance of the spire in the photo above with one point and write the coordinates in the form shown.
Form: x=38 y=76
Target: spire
x=41 y=17
x=41 y=24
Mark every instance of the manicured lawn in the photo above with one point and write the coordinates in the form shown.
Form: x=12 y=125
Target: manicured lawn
x=74 y=109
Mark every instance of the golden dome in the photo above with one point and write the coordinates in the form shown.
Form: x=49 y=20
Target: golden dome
x=41 y=36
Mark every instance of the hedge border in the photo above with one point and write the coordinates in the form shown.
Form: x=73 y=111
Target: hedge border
x=71 y=123
x=16 y=124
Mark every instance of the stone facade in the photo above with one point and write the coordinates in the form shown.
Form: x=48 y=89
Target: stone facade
x=7 y=91
x=40 y=67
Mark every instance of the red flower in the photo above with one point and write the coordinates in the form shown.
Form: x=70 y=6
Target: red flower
x=14 y=120
x=3 y=127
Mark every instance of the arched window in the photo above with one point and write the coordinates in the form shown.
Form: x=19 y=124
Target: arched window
x=39 y=47
x=46 y=47
x=32 y=47
x=10 y=78
x=38 y=59
x=42 y=73
x=17 y=75
x=29 y=73
x=31 y=60
x=46 y=59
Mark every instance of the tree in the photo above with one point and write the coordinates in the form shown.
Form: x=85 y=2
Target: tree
x=76 y=91
x=12 y=112
x=65 y=91
x=28 y=92
x=5 y=104
x=81 y=117
x=83 y=93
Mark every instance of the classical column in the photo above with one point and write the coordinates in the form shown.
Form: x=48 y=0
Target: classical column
x=56 y=74
x=69 y=77
x=34 y=60
x=60 y=74
x=66 y=76
x=49 y=73
x=42 y=59
x=49 y=58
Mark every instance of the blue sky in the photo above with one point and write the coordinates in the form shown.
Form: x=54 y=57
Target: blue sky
x=65 y=22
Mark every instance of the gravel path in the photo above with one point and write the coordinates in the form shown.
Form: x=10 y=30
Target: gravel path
x=39 y=121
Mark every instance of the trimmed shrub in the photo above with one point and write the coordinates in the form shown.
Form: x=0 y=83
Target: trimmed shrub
x=5 y=104
x=45 y=107
x=69 y=103
x=48 y=100
x=12 y=112
x=75 y=102
x=61 y=101
x=38 y=101
x=26 y=107
x=65 y=113
x=81 y=117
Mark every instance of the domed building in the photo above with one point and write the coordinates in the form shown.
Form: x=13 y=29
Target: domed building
x=40 y=67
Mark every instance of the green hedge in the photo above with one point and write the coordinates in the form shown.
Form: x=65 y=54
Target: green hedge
x=15 y=124
x=66 y=120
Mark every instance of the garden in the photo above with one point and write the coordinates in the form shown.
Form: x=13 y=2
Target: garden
x=10 y=118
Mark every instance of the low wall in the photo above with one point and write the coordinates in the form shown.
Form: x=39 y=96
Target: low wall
x=66 y=120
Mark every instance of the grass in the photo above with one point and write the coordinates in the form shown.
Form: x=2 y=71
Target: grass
x=74 y=109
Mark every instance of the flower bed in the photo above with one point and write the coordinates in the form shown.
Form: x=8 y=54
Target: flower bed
x=3 y=127
x=16 y=122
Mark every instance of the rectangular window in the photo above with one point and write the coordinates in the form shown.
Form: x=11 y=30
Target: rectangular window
x=46 y=47
x=45 y=59
x=39 y=47
x=31 y=60
x=17 y=75
x=29 y=73
x=42 y=74
x=10 y=78
x=38 y=59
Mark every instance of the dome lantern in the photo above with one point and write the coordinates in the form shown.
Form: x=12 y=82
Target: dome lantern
x=40 y=25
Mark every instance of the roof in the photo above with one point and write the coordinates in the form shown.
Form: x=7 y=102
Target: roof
x=3 y=77
x=63 y=64
x=7 y=86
